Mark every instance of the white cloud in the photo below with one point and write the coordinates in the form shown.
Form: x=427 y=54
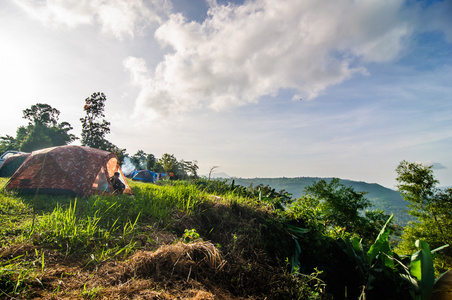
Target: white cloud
x=243 y=52
x=117 y=17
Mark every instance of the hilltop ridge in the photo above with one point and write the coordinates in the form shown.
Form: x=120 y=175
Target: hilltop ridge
x=381 y=197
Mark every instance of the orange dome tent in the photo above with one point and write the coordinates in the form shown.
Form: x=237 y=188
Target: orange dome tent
x=70 y=169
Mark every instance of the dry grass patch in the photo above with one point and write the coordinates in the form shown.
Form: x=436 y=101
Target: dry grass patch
x=197 y=260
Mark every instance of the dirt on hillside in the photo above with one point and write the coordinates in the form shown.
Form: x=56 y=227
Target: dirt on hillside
x=173 y=271
x=230 y=260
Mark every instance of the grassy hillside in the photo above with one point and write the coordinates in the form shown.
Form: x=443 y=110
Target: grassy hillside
x=382 y=198
x=183 y=240
x=172 y=241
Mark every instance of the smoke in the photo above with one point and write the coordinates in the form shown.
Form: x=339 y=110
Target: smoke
x=127 y=167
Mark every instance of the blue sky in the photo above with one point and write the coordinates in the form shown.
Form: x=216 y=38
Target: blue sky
x=220 y=82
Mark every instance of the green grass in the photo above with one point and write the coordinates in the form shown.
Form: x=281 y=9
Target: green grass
x=100 y=226
x=98 y=223
x=96 y=229
x=13 y=213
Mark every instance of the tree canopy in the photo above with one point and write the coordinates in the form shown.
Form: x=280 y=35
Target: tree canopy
x=43 y=130
x=339 y=203
x=94 y=127
x=431 y=205
x=42 y=114
x=338 y=208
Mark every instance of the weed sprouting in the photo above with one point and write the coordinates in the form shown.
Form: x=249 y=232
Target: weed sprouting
x=91 y=293
x=190 y=235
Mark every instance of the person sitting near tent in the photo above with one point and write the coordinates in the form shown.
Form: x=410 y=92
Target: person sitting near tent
x=118 y=186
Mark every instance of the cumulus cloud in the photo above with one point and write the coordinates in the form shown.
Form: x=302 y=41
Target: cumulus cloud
x=117 y=17
x=243 y=52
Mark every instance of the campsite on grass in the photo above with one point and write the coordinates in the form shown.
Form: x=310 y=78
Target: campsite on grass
x=65 y=234
x=73 y=170
x=73 y=226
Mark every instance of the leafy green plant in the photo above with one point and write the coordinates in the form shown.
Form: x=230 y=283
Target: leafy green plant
x=420 y=272
x=432 y=207
x=190 y=235
x=380 y=266
x=376 y=265
x=305 y=286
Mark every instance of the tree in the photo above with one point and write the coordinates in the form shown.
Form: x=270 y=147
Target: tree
x=36 y=138
x=139 y=160
x=122 y=154
x=336 y=206
x=431 y=205
x=186 y=167
x=341 y=206
x=150 y=162
x=158 y=167
x=211 y=170
x=169 y=163
x=8 y=143
x=42 y=114
x=339 y=203
x=94 y=127
x=42 y=131
x=191 y=167
x=417 y=184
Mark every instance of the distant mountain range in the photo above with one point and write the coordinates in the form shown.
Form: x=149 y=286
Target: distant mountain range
x=382 y=198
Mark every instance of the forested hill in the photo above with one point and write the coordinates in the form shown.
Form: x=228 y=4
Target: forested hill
x=382 y=198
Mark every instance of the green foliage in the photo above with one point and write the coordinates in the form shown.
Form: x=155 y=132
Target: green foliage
x=263 y=194
x=63 y=229
x=430 y=205
x=189 y=167
x=121 y=153
x=150 y=162
x=339 y=208
x=91 y=293
x=139 y=160
x=42 y=131
x=420 y=273
x=382 y=198
x=190 y=235
x=307 y=210
x=274 y=247
x=306 y=286
x=94 y=127
x=8 y=142
x=42 y=114
x=417 y=184
x=340 y=204
x=35 y=139
x=169 y=163
x=386 y=275
x=13 y=213
x=15 y=276
x=421 y=267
